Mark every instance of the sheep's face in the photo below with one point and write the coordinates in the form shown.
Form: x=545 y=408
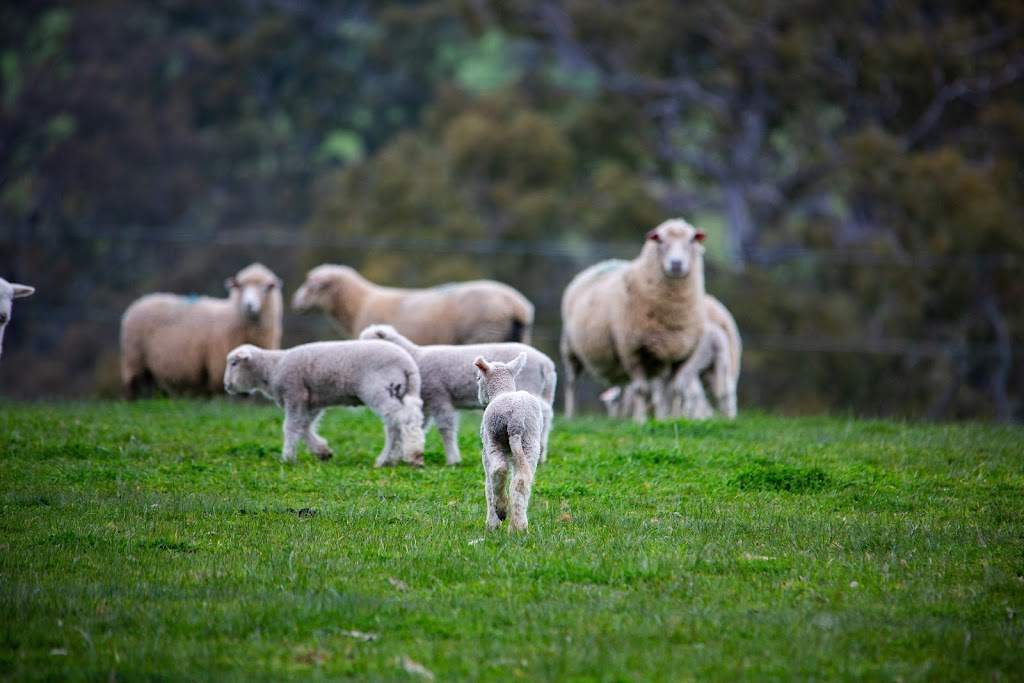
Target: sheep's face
x=678 y=246
x=239 y=376
x=8 y=292
x=252 y=290
x=315 y=292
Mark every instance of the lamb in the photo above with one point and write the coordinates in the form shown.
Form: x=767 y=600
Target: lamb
x=180 y=342
x=8 y=292
x=637 y=322
x=306 y=379
x=716 y=366
x=511 y=434
x=472 y=312
x=449 y=381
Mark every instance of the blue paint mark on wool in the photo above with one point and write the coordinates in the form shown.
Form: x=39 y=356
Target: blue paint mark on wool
x=610 y=265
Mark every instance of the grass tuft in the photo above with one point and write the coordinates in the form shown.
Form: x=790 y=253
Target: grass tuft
x=767 y=475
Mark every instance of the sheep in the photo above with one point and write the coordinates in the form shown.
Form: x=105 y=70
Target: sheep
x=636 y=322
x=511 y=434
x=181 y=342
x=719 y=370
x=449 y=381
x=8 y=292
x=306 y=379
x=476 y=311
x=715 y=364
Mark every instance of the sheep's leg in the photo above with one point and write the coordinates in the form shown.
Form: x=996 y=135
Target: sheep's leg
x=686 y=381
x=691 y=401
x=410 y=430
x=525 y=452
x=723 y=386
x=390 y=454
x=573 y=368
x=403 y=425
x=549 y=416
x=612 y=399
x=447 y=421
x=296 y=424
x=316 y=444
x=639 y=392
x=495 y=478
x=660 y=397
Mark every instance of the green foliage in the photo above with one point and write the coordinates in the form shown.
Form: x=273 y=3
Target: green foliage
x=165 y=539
x=433 y=140
x=341 y=145
x=482 y=65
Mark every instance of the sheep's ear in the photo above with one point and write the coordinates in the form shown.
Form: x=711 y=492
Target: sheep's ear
x=518 y=364
x=653 y=235
x=243 y=354
x=700 y=235
x=230 y=283
x=22 y=290
x=482 y=364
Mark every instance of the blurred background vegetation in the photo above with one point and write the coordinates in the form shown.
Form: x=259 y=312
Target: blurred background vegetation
x=857 y=165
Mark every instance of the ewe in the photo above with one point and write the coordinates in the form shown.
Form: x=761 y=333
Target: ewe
x=511 y=431
x=307 y=379
x=456 y=313
x=8 y=292
x=180 y=342
x=449 y=381
x=635 y=323
x=714 y=365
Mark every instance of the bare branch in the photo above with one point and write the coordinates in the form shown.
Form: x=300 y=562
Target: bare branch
x=974 y=87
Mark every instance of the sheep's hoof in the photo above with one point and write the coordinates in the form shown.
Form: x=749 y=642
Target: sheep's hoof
x=326 y=455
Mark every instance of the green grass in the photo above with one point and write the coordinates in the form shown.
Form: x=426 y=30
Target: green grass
x=166 y=540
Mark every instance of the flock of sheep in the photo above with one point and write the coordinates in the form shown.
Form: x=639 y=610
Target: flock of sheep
x=646 y=328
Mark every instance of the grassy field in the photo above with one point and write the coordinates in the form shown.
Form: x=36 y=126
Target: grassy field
x=165 y=540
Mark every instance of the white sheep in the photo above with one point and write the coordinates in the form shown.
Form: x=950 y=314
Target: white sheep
x=636 y=322
x=714 y=365
x=511 y=434
x=180 y=342
x=449 y=381
x=456 y=313
x=8 y=292
x=307 y=379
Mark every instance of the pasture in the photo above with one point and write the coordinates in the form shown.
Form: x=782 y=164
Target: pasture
x=165 y=540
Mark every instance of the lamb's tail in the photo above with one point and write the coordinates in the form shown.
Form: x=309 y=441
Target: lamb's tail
x=522 y=481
